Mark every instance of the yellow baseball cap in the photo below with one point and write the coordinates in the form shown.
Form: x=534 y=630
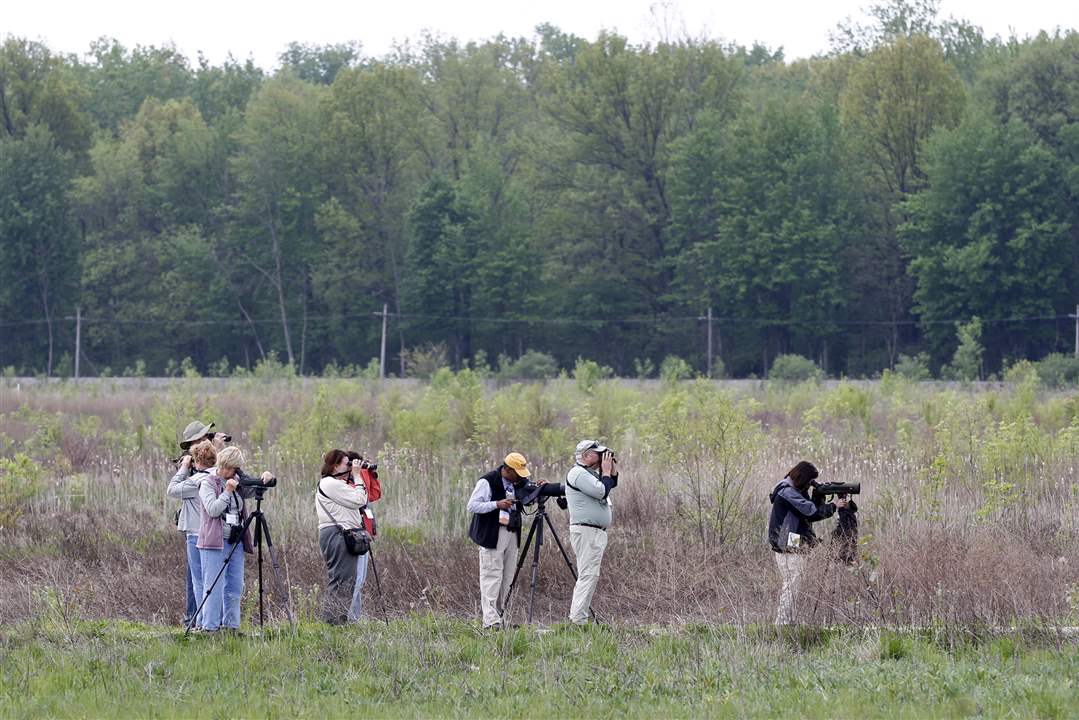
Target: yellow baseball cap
x=518 y=463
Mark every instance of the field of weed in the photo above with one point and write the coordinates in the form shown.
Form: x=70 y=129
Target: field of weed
x=968 y=512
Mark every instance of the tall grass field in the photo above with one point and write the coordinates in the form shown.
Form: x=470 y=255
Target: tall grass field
x=960 y=602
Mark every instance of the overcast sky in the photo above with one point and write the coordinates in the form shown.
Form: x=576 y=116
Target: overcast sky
x=262 y=28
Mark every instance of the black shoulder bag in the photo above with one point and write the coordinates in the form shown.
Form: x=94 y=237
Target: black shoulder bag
x=357 y=541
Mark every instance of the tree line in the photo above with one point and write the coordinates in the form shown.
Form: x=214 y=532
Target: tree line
x=581 y=197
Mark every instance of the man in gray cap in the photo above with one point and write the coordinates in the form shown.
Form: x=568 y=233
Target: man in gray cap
x=588 y=485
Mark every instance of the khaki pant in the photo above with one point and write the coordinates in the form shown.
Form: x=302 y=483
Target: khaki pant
x=496 y=574
x=588 y=545
x=791 y=566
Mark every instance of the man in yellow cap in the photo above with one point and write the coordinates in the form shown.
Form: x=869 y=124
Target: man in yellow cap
x=496 y=528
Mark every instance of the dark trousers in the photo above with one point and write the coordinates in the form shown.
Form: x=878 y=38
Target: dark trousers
x=341 y=571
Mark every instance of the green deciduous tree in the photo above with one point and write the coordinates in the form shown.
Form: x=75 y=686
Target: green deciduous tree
x=893 y=101
x=40 y=88
x=985 y=237
x=148 y=211
x=605 y=171
x=278 y=191
x=39 y=245
x=119 y=79
x=441 y=264
x=773 y=230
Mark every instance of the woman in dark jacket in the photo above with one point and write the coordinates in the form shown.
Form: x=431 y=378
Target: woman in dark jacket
x=790 y=532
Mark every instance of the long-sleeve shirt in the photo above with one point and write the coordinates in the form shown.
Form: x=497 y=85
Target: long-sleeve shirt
x=480 y=501
x=343 y=501
x=218 y=504
x=587 y=494
x=184 y=486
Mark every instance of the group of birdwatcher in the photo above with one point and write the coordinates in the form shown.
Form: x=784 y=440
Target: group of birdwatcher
x=212 y=487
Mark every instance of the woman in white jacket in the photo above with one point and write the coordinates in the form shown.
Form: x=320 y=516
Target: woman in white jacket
x=338 y=506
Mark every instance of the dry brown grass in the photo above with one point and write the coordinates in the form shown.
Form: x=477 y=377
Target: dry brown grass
x=97 y=543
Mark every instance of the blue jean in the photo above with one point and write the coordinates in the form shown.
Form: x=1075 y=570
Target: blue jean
x=194 y=577
x=222 y=608
x=356 y=611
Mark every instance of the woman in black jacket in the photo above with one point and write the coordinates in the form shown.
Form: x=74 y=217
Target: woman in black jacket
x=790 y=532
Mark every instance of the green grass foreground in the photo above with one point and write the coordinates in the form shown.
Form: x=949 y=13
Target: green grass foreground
x=427 y=667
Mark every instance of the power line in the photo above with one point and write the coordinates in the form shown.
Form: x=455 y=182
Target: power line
x=644 y=320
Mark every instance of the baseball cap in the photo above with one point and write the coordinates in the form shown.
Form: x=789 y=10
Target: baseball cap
x=589 y=445
x=518 y=463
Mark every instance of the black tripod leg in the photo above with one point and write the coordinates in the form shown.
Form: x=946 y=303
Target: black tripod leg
x=537 y=525
x=206 y=592
x=517 y=571
x=264 y=529
x=378 y=585
x=521 y=560
x=569 y=563
x=258 y=545
x=562 y=548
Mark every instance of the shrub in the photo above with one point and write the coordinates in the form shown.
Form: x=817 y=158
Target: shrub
x=967 y=362
x=480 y=366
x=64 y=367
x=589 y=373
x=533 y=365
x=268 y=368
x=794 y=368
x=914 y=367
x=188 y=369
x=138 y=371
x=1058 y=370
x=318 y=426
x=171 y=413
x=1022 y=371
x=373 y=369
x=20 y=482
x=216 y=369
x=674 y=368
x=424 y=361
x=643 y=369
x=708 y=441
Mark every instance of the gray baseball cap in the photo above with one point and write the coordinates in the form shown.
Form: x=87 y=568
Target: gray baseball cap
x=193 y=432
x=588 y=445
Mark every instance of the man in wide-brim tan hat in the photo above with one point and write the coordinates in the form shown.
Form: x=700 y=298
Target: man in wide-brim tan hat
x=184 y=485
x=195 y=431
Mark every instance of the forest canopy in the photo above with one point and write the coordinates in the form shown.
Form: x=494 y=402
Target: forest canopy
x=911 y=189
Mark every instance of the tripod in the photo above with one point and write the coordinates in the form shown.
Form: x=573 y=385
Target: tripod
x=535 y=532
x=262 y=529
x=378 y=585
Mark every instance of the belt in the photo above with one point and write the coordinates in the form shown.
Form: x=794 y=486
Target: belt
x=598 y=527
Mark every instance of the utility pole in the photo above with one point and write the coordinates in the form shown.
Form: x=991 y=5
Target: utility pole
x=709 y=341
x=78 y=338
x=1076 y=316
x=382 y=351
x=708 y=353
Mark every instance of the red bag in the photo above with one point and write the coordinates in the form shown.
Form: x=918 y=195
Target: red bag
x=371 y=484
x=374 y=492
